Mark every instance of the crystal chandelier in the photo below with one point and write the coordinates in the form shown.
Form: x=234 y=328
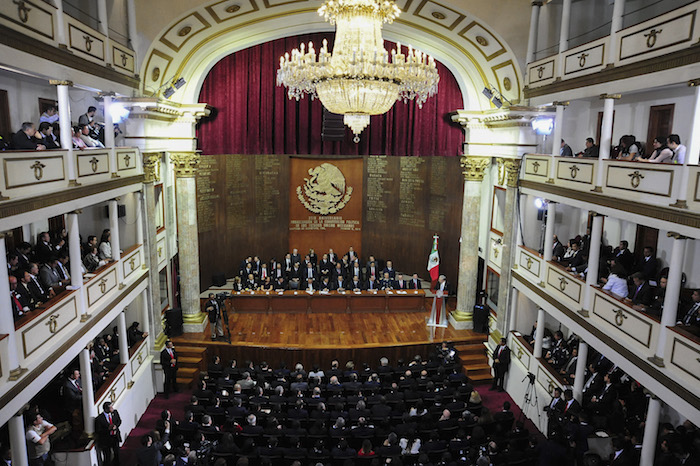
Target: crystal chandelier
x=358 y=79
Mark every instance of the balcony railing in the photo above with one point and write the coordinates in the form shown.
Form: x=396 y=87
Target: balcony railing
x=659 y=184
x=670 y=32
x=40 y=21
x=38 y=173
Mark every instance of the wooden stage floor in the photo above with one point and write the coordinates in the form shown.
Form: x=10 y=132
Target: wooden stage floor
x=317 y=338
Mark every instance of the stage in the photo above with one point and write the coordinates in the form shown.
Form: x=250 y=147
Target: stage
x=318 y=338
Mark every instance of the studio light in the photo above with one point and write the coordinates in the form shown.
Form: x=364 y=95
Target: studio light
x=179 y=83
x=543 y=126
x=168 y=92
x=495 y=97
x=497 y=102
x=487 y=92
x=540 y=203
x=118 y=111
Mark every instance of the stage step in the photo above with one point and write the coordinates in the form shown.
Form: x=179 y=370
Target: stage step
x=192 y=360
x=475 y=363
x=478 y=372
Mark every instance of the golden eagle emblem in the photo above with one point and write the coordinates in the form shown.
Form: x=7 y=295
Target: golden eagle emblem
x=325 y=191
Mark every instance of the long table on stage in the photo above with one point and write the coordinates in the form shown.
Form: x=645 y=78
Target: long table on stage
x=334 y=301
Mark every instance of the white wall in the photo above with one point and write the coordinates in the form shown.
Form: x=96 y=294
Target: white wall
x=94 y=219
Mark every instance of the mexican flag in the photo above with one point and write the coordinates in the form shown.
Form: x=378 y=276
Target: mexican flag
x=434 y=261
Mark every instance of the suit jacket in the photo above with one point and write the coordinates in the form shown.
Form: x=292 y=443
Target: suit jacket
x=37 y=290
x=20 y=141
x=574 y=408
x=25 y=297
x=296 y=258
x=73 y=396
x=391 y=272
x=644 y=295
x=103 y=432
x=356 y=285
x=414 y=284
x=48 y=276
x=372 y=285
x=400 y=285
x=92 y=262
x=325 y=267
x=372 y=271
x=624 y=258
x=577 y=261
x=648 y=268
x=558 y=250
x=165 y=360
x=503 y=358
x=310 y=273
x=43 y=251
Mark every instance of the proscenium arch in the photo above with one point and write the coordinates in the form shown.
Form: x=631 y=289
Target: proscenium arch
x=192 y=44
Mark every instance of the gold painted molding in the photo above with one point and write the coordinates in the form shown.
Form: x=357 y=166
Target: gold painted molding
x=60 y=82
x=610 y=96
x=474 y=167
x=512 y=171
x=151 y=166
x=185 y=163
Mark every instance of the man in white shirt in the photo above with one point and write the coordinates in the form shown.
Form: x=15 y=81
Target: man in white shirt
x=674 y=143
x=38 y=443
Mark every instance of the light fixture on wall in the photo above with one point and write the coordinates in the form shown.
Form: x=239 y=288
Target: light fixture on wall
x=358 y=79
x=543 y=125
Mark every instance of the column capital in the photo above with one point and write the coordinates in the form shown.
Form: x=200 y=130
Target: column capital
x=5 y=234
x=674 y=235
x=60 y=82
x=512 y=171
x=474 y=168
x=694 y=82
x=596 y=214
x=537 y=3
x=561 y=103
x=151 y=166
x=76 y=212
x=185 y=163
x=610 y=96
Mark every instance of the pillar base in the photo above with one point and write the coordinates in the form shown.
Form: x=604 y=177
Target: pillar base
x=657 y=361
x=679 y=204
x=550 y=181
x=84 y=317
x=159 y=341
x=73 y=183
x=3 y=198
x=130 y=384
x=584 y=312
x=597 y=189
x=515 y=267
x=115 y=175
x=16 y=373
x=461 y=320
x=194 y=323
x=144 y=267
x=122 y=286
x=64 y=47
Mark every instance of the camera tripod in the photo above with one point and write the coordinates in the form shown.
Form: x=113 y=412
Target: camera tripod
x=222 y=299
x=530 y=398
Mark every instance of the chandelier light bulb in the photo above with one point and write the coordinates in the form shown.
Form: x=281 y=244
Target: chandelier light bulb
x=358 y=79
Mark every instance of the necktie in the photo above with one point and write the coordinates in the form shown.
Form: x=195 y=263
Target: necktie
x=36 y=282
x=109 y=419
x=16 y=301
x=77 y=385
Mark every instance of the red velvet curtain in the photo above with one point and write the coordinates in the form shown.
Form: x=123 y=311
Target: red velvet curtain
x=252 y=115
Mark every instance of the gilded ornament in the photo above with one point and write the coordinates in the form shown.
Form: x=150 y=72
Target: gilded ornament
x=512 y=171
x=151 y=166
x=438 y=15
x=233 y=8
x=507 y=83
x=325 y=191
x=38 y=170
x=474 y=168
x=184 y=31
x=185 y=163
x=155 y=74
x=636 y=178
x=481 y=40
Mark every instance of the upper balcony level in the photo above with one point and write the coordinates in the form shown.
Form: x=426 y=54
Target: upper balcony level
x=598 y=42
x=87 y=36
x=660 y=193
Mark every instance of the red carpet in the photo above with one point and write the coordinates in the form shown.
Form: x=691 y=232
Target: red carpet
x=494 y=400
x=176 y=404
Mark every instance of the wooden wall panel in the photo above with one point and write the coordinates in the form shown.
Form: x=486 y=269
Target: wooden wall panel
x=244 y=200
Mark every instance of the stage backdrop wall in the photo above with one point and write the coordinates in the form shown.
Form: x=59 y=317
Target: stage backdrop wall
x=259 y=205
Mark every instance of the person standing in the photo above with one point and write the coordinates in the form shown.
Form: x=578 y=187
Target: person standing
x=213 y=309
x=501 y=361
x=38 y=443
x=168 y=360
x=108 y=435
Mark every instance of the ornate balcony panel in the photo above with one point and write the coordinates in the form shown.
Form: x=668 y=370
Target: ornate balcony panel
x=585 y=59
x=131 y=261
x=34 y=18
x=542 y=72
x=93 y=163
x=682 y=355
x=530 y=264
x=27 y=173
x=57 y=321
x=565 y=286
x=101 y=284
x=576 y=173
x=617 y=319
x=537 y=167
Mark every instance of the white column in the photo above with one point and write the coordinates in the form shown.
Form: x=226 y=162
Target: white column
x=692 y=149
x=512 y=317
x=651 y=431
x=60 y=25
x=131 y=22
x=114 y=230
x=89 y=408
x=673 y=291
x=532 y=38
x=109 y=134
x=605 y=137
x=27 y=233
x=123 y=342
x=18 y=441
x=615 y=26
x=139 y=218
x=64 y=122
x=564 y=30
x=549 y=231
x=580 y=373
x=103 y=27
x=76 y=265
x=7 y=321
x=144 y=319
x=539 y=334
x=556 y=138
x=593 y=260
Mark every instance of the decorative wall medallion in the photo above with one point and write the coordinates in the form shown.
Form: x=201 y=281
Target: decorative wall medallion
x=184 y=31
x=155 y=74
x=103 y=286
x=481 y=40
x=540 y=72
x=38 y=168
x=635 y=179
x=324 y=192
x=233 y=8
x=22 y=10
x=93 y=163
x=88 y=43
x=124 y=59
x=574 y=171
x=562 y=283
x=651 y=37
x=438 y=15
x=619 y=317
x=53 y=323
x=582 y=60
x=507 y=84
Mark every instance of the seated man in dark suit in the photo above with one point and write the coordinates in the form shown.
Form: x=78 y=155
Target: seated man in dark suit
x=24 y=138
x=690 y=315
x=355 y=284
x=280 y=284
x=295 y=276
x=648 y=265
x=46 y=134
x=372 y=269
x=310 y=285
x=400 y=283
x=387 y=283
x=415 y=283
x=372 y=283
x=642 y=293
x=390 y=270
